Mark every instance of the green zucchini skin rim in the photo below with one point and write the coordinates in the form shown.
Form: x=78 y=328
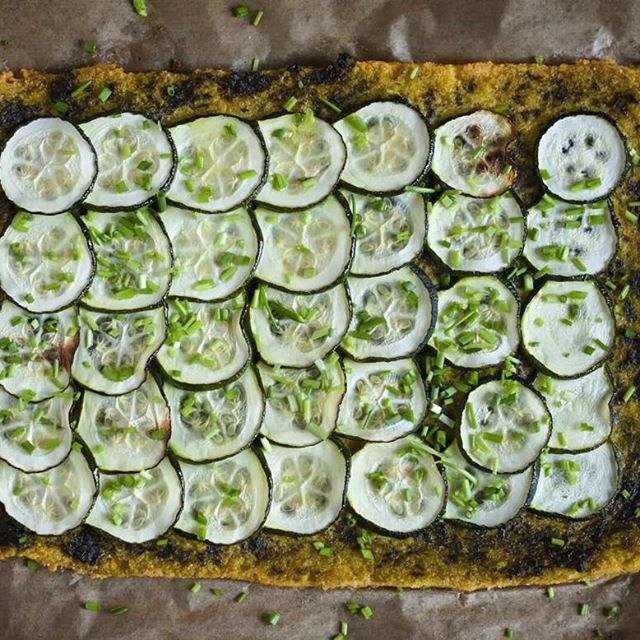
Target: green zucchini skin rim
x=514 y=172
x=615 y=223
x=263 y=463
x=250 y=366
x=162 y=189
x=425 y=170
x=352 y=251
x=433 y=297
x=474 y=272
x=625 y=170
x=92 y=253
x=148 y=307
x=539 y=366
x=606 y=508
x=252 y=196
x=347 y=458
x=458 y=428
x=88 y=190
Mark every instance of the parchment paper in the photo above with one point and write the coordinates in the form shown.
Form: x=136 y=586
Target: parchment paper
x=49 y=35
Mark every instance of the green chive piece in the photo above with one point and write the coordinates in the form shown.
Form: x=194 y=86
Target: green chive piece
x=241 y=11
x=195 y=587
x=508 y=633
x=258 y=18
x=140 y=7
x=89 y=46
x=628 y=394
x=273 y=618
x=242 y=596
x=584 y=609
x=105 y=94
x=558 y=542
x=216 y=591
x=330 y=104
x=90 y=605
x=79 y=90
x=551 y=593
x=290 y=103
x=61 y=107
x=118 y=611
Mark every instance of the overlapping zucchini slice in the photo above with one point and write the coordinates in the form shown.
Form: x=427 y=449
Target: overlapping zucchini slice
x=205 y=342
x=45 y=261
x=47 y=166
x=136 y=159
x=388 y=147
x=306 y=157
x=304 y=250
x=214 y=256
x=225 y=501
x=393 y=315
x=221 y=163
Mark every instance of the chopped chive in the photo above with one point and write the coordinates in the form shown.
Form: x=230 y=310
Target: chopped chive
x=105 y=94
x=140 y=7
x=78 y=91
x=241 y=11
x=242 y=596
x=273 y=618
x=216 y=591
x=330 y=104
x=90 y=605
x=118 y=611
x=61 y=107
x=584 y=609
x=290 y=103
x=89 y=46
x=508 y=633
x=255 y=64
x=631 y=217
x=195 y=587
x=558 y=542
x=551 y=593
x=257 y=18
x=628 y=394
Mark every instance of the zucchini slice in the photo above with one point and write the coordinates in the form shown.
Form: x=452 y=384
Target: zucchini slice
x=45 y=261
x=295 y=330
x=482 y=498
x=396 y=486
x=308 y=486
x=389 y=231
x=35 y=436
x=36 y=351
x=470 y=153
x=581 y=157
x=214 y=256
x=49 y=502
x=213 y=424
x=301 y=404
x=383 y=400
x=579 y=409
x=569 y=240
x=388 y=147
x=221 y=163
x=504 y=426
x=568 y=328
x=225 y=501
x=205 y=342
x=114 y=349
x=137 y=507
x=477 y=235
x=306 y=157
x=136 y=159
x=47 y=166
x=134 y=260
x=477 y=322
x=393 y=316
x=127 y=432
x=305 y=250
x=577 y=485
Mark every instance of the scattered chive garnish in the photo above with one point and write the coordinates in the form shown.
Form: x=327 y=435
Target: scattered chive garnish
x=140 y=7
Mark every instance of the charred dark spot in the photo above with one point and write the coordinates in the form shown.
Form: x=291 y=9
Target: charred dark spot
x=526 y=184
x=10 y=530
x=16 y=113
x=559 y=93
x=471 y=86
x=86 y=546
x=180 y=95
x=622 y=101
x=333 y=72
x=211 y=553
x=258 y=546
x=60 y=89
x=244 y=84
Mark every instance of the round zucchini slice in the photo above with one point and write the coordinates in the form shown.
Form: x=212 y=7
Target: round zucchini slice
x=214 y=256
x=470 y=153
x=306 y=157
x=295 y=330
x=477 y=322
x=134 y=260
x=308 y=486
x=305 y=250
x=302 y=404
x=225 y=501
x=135 y=159
x=36 y=351
x=568 y=328
x=383 y=401
x=47 y=166
x=393 y=316
x=577 y=485
x=388 y=147
x=205 y=342
x=579 y=409
x=114 y=349
x=476 y=235
x=35 y=435
x=49 y=502
x=570 y=240
x=504 y=426
x=221 y=163
x=389 y=231
x=213 y=424
x=482 y=498
x=137 y=507
x=128 y=432
x=45 y=261
x=581 y=157
x=396 y=486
